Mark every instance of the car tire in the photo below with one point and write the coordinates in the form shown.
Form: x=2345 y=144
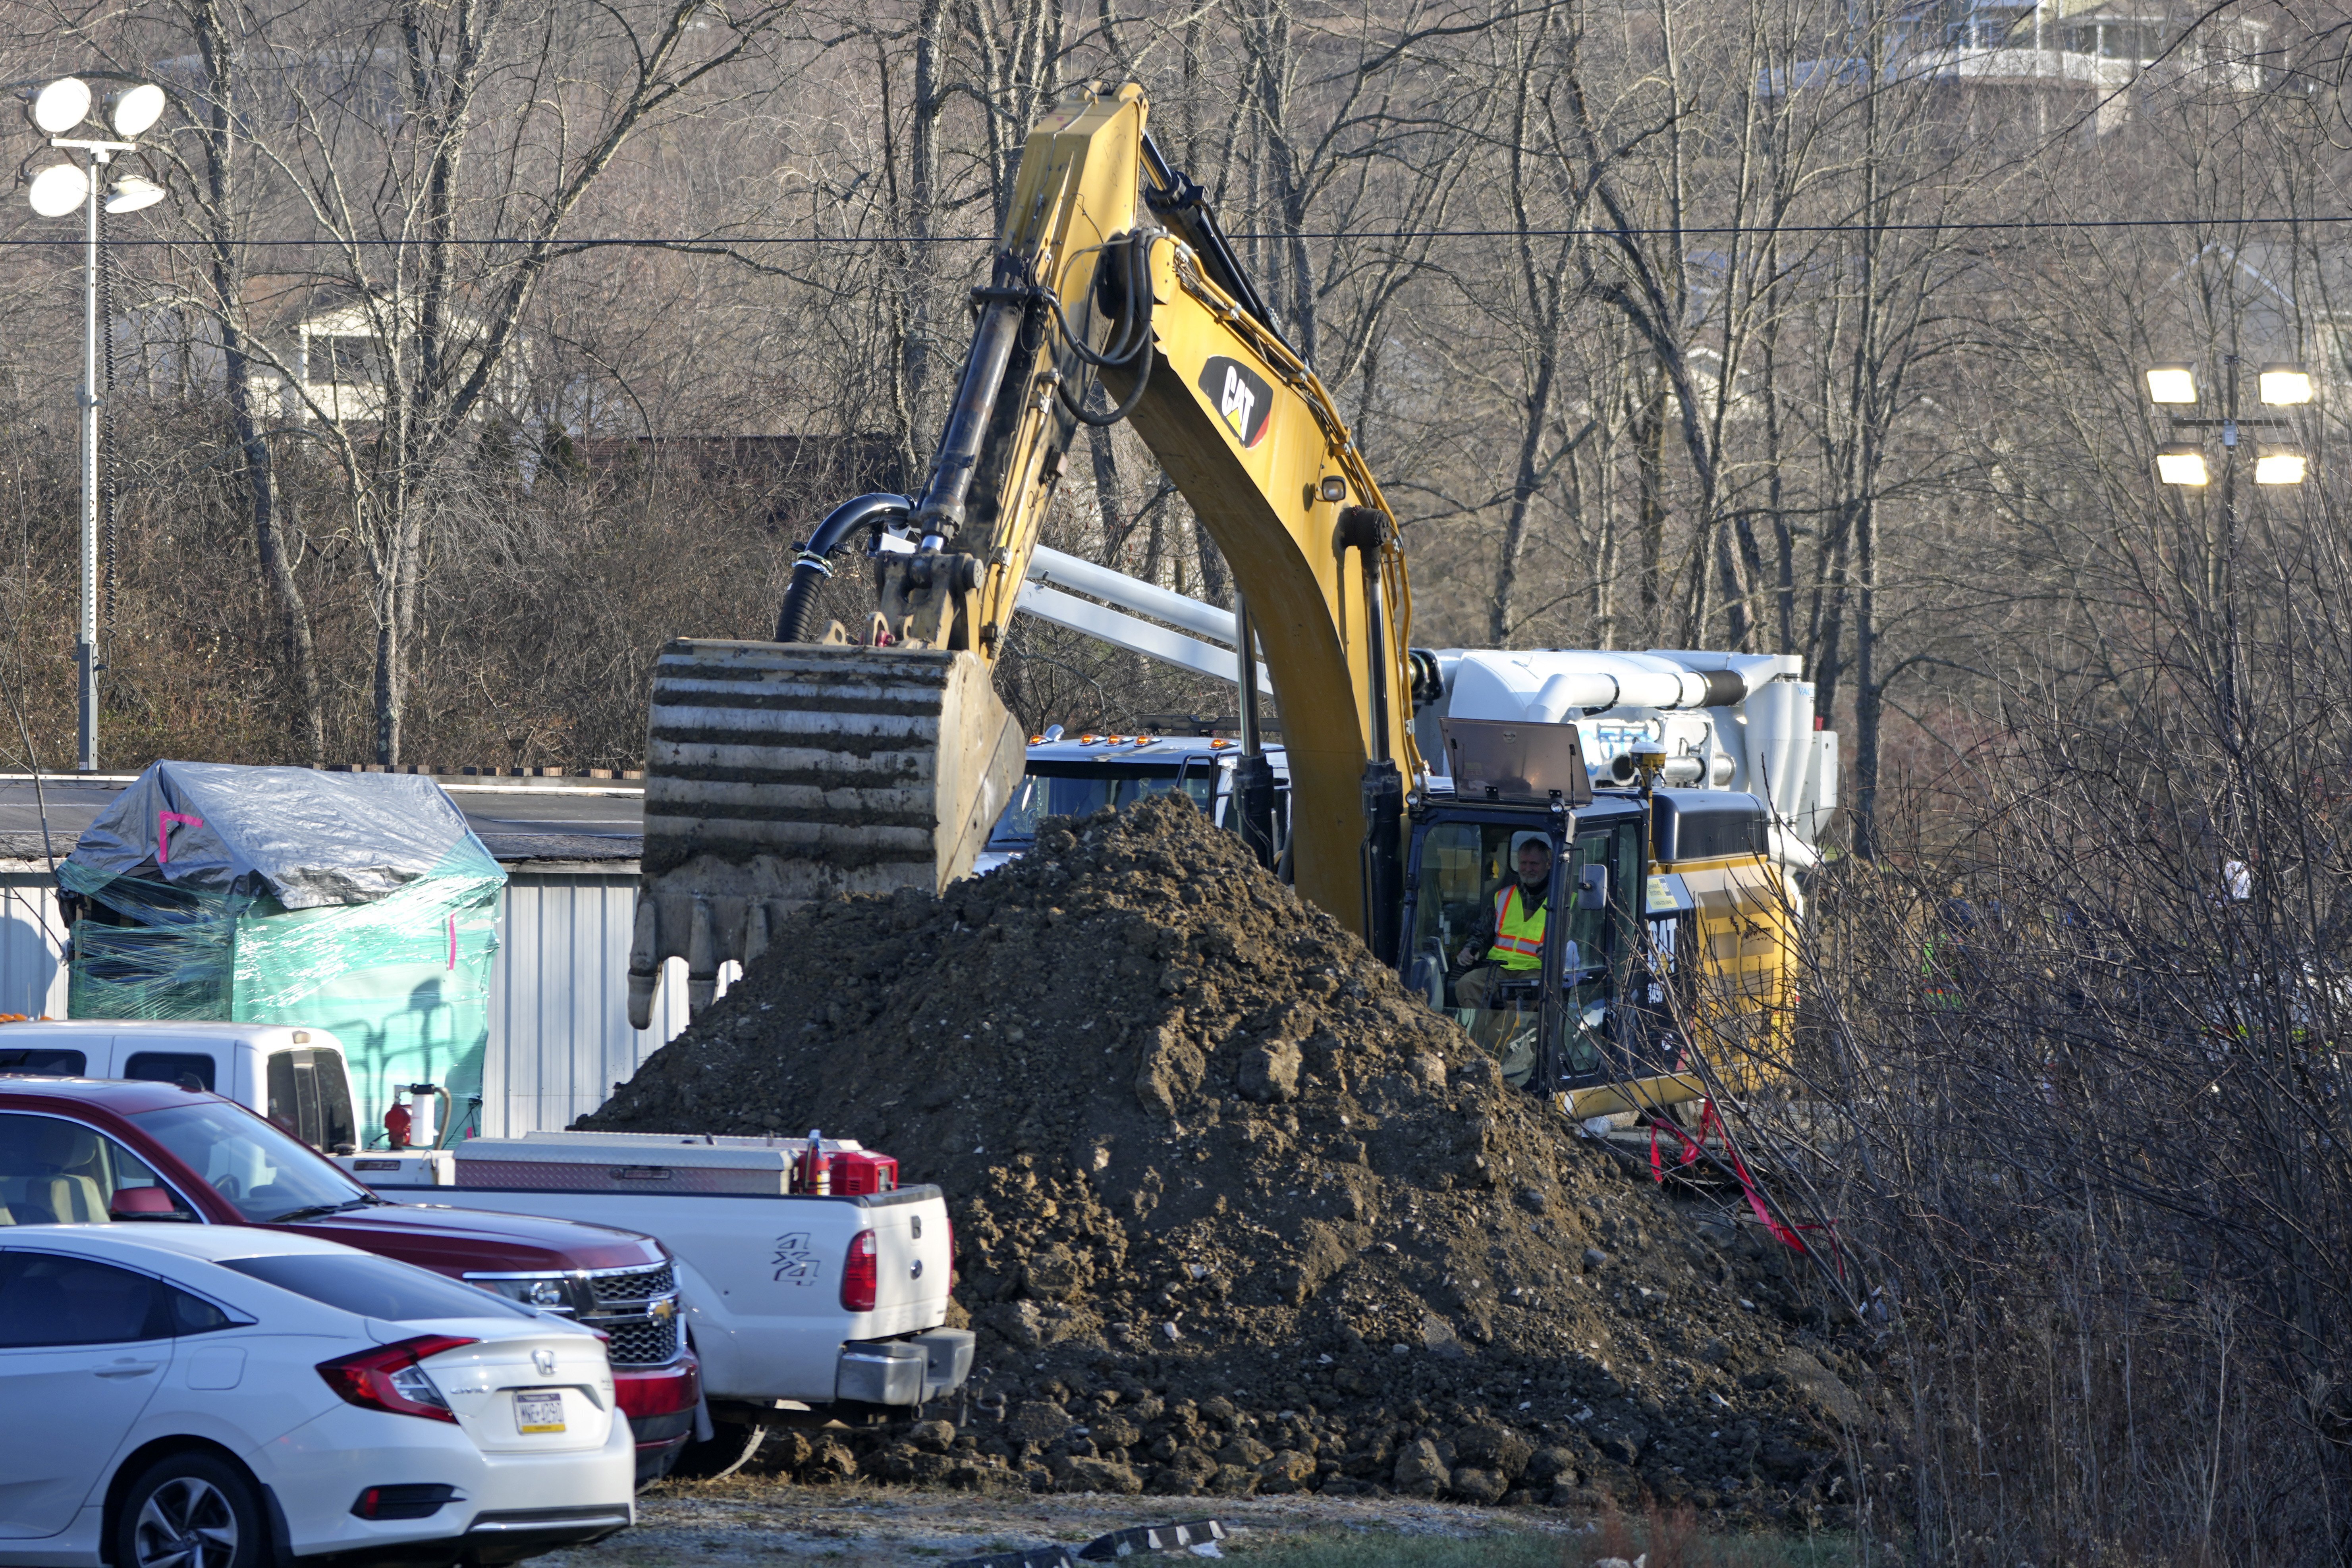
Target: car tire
x=192 y=1511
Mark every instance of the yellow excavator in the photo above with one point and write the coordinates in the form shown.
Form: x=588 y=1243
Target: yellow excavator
x=870 y=758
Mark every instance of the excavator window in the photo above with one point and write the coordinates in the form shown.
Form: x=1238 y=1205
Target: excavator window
x=1464 y=865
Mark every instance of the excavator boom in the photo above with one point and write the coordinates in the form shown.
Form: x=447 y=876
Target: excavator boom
x=780 y=772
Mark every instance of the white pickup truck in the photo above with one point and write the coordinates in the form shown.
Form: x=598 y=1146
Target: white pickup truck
x=794 y=1300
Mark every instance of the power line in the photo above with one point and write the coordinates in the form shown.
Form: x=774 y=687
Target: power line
x=713 y=242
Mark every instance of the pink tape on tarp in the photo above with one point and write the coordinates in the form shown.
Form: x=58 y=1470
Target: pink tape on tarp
x=163 y=820
x=453 y=942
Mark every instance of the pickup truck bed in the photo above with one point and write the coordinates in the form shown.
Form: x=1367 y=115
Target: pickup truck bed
x=761 y=1274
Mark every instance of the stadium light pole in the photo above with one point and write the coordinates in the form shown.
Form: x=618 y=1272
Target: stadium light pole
x=2183 y=464
x=57 y=109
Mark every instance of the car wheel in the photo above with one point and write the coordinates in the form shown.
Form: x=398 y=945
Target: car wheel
x=191 y=1510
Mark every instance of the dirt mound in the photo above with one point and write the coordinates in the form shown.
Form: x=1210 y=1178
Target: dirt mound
x=1236 y=1214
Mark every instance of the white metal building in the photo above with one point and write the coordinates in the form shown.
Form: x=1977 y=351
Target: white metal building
x=560 y=1035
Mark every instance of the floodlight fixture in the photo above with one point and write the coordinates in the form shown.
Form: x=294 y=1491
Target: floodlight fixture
x=2280 y=466
x=134 y=109
x=2285 y=384
x=2182 y=465
x=59 y=189
x=131 y=193
x=61 y=105
x=2172 y=384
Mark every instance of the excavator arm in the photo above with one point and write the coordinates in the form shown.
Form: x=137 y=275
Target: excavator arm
x=782 y=771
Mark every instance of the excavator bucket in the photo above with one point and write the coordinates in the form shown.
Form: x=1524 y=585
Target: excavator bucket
x=779 y=773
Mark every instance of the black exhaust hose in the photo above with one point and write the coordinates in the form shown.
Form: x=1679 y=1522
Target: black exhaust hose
x=841 y=525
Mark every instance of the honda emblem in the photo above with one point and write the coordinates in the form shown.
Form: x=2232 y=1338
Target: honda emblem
x=545 y=1362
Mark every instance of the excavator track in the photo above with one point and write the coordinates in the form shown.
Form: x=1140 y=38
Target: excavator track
x=779 y=773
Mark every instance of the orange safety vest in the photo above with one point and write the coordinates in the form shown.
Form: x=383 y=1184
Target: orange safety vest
x=1519 y=935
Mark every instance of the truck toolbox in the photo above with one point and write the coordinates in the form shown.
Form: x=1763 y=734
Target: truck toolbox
x=641 y=1162
x=402 y=1167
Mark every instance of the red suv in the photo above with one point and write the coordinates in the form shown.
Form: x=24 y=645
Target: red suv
x=90 y=1151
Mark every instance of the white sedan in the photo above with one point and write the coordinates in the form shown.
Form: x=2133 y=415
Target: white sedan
x=210 y=1396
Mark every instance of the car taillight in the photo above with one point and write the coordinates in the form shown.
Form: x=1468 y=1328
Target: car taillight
x=861 y=1276
x=388 y=1377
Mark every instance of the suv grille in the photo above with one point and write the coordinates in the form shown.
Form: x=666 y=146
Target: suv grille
x=636 y=1286
x=640 y=1341
x=626 y=1302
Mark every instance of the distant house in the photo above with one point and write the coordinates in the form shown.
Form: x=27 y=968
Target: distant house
x=315 y=350
x=2012 y=69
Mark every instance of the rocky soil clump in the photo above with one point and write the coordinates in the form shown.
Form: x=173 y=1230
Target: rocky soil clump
x=1236 y=1214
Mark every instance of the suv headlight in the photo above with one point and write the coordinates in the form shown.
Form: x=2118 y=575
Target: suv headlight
x=544 y=1292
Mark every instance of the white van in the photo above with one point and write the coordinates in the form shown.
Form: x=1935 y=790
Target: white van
x=293 y=1076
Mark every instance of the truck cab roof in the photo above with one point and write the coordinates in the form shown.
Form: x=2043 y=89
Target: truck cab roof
x=1137 y=750
x=185 y=1028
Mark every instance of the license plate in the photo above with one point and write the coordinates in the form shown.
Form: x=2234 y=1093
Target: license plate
x=539 y=1412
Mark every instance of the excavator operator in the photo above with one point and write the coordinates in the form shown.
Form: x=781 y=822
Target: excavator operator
x=1512 y=931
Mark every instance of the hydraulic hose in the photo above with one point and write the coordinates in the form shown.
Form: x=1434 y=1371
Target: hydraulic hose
x=1130 y=338
x=841 y=525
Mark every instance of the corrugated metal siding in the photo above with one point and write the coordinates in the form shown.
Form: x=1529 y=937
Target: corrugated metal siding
x=32 y=938
x=562 y=945
x=560 y=1035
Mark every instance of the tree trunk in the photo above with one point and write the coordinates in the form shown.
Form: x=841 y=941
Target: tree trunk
x=922 y=208
x=1869 y=691
x=1499 y=624
x=1115 y=525
x=217 y=123
x=1649 y=466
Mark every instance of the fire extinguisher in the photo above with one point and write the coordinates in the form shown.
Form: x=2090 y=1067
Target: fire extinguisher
x=396 y=1124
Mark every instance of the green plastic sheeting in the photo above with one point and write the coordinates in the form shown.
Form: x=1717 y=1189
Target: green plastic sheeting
x=401 y=980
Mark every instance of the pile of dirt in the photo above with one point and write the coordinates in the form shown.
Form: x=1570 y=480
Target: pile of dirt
x=1234 y=1213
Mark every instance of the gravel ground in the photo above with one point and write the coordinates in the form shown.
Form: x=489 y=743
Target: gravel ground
x=689 y=1524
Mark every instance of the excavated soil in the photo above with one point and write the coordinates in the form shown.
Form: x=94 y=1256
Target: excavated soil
x=1235 y=1215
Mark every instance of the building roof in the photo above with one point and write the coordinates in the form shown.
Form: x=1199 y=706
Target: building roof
x=519 y=821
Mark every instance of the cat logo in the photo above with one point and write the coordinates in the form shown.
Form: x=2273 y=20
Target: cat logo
x=1241 y=397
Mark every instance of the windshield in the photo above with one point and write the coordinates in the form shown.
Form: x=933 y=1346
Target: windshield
x=1044 y=794
x=265 y=1174
x=374 y=1287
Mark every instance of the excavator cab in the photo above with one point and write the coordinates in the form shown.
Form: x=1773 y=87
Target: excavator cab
x=1460 y=860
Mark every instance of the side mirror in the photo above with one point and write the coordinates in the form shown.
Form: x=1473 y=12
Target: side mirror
x=143 y=1202
x=1593 y=887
